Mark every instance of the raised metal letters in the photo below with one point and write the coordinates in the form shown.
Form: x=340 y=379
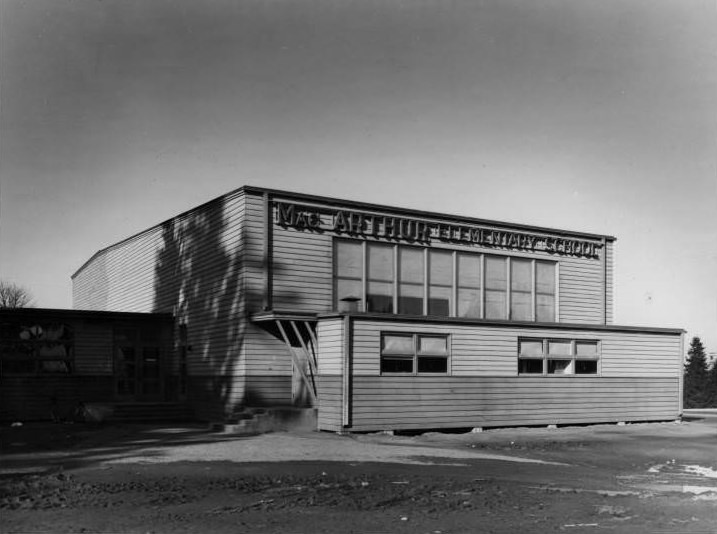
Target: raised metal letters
x=359 y=224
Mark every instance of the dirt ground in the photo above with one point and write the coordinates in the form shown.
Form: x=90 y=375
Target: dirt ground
x=639 y=478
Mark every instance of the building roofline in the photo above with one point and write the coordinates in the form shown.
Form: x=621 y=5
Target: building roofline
x=503 y=323
x=423 y=213
x=355 y=205
x=84 y=314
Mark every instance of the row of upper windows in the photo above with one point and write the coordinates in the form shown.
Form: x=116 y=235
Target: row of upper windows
x=386 y=278
x=409 y=353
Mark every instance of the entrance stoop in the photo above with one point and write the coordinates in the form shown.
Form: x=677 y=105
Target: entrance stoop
x=253 y=421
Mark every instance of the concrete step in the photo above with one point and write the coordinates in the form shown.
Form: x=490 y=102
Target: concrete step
x=253 y=421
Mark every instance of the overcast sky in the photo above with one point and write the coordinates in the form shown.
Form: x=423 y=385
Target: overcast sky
x=597 y=116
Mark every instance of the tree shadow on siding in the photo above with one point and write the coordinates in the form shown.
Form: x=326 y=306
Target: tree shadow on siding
x=199 y=280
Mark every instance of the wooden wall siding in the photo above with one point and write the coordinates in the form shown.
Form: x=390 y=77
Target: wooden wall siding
x=580 y=291
x=265 y=354
x=641 y=355
x=609 y=281
x=131 y=273
x=303 y=270
x=190 y=265
x=330 y=337
x=445 y=402
x=268 y=390
x=93 y=348
x=330 y=407
x=255 y=265
x=493 y=351
x=91 y=290
x=30 y=398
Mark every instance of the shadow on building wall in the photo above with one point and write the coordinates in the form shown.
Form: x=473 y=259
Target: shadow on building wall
x=199 y=272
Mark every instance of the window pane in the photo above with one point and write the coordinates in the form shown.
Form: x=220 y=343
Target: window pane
x=439 y=301
x=432 y=364
x=396 y=344
x=586 y=367
x=530 y=366
x=396 y=365
x=545 y=277
x=468 y=302
x=432 y=345
x=440 y=265
x=521 y=275
x=495 y=273
x=495 y=304
x=469 y=270
x=410 y=261
x=349 y=290
x=349 y=259
x=586 y=349
x=545 y=308
x=410 y=299
x=379 y=297
x=521 y=308
x=380 y=262
x=560 y=367
x=531 y=347
x=559 y=347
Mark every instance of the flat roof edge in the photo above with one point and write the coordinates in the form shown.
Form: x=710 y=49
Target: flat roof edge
x=84 y=313
x=504 y=323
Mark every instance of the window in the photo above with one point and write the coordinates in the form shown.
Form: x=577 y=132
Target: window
x=440 y=282
x=348 y=261
x=412 y=280
x=468 y=284
x=414 y=354
x=558 y=357
x=379 y=286
x=496 y=287
x=521 y=289
x=46 y=348
x=544 y=291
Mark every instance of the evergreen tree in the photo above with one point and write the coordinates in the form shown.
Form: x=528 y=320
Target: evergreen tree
x=695 y=393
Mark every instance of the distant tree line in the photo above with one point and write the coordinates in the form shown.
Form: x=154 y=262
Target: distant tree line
x=700 y=385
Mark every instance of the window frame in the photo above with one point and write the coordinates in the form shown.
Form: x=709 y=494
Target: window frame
x=27 y=349
x=545 y=356
x=360 y=304
x=416 y=354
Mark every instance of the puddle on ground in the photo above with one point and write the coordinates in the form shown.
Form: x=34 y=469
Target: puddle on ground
x=671 y=477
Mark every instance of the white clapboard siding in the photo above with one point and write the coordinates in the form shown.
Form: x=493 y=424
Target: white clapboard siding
x=580 y=290
x=493 y=350
x=190 y=265
x=303 y=272
x=91 y=290
x=330 y=395
x=265 y=354
x=254 y=272
x=444 y=402
x=330 y=337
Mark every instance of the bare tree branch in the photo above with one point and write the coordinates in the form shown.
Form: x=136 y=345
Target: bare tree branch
x=14 y=296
